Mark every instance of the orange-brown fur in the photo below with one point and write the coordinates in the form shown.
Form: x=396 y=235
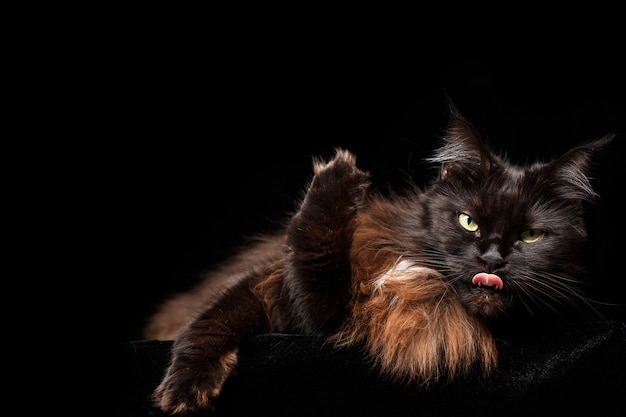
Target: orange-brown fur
x=412 y=323
x=179 y=310
x=399 y=278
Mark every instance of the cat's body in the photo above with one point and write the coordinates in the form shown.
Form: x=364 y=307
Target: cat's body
x=412 y=278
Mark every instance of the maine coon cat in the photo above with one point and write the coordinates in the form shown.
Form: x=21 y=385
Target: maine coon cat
x=412 y=278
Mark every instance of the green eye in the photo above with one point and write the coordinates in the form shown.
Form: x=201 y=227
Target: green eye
x=530 y=236
x=467 y=222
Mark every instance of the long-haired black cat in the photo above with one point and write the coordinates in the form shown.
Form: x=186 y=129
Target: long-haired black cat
x=413 y=279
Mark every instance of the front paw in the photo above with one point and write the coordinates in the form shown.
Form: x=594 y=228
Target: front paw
x=188 y=389
x=339 y=180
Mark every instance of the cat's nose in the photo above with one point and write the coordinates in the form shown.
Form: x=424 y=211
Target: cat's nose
x=492 y=259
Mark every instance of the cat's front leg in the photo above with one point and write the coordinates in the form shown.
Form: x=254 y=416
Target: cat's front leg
x=322 y=228
x=205 y=353
x=319 y=238
x=194 y=380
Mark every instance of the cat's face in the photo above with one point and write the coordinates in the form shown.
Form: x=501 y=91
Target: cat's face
x=511 y=235
x=507 y=241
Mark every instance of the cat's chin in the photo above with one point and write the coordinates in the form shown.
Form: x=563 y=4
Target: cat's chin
x=485 y=302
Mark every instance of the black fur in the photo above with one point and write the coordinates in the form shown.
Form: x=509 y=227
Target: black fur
x=411 y=276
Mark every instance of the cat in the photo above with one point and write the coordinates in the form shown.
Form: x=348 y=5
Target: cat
x=411 y=278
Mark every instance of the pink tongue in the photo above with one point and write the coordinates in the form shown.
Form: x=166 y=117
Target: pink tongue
x=488 y=280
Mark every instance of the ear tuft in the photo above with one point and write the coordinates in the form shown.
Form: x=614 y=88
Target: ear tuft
x=462 y=153
x=572 y=169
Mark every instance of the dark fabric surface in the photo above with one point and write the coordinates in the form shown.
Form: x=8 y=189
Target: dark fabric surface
x=543 y=371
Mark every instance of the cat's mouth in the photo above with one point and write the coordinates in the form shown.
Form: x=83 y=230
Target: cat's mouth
x=485 y=280
x=486 y=297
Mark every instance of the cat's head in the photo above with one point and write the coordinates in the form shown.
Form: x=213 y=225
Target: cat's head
x=511 y=233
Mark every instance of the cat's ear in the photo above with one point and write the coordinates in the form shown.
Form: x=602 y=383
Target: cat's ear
x=463 y=154
x=571 y=170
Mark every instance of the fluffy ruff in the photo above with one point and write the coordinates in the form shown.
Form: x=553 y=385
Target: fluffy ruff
x=409 y=320
x=414 y=327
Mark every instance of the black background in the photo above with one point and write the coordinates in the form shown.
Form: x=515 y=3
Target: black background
x=194 y=141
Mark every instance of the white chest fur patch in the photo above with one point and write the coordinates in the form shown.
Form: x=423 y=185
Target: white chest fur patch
x=401 y=271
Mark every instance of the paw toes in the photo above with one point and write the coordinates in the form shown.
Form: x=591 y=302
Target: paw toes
x=343 y=160
x=340 y=169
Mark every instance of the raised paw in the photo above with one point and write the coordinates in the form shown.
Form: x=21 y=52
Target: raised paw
x=336 y=193
x=338 y=182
